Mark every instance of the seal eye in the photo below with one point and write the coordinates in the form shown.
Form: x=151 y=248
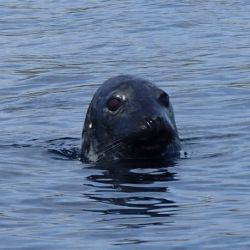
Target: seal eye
x=164 y=99
x=114 y=103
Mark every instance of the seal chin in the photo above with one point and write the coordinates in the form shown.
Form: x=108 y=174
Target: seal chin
x=150 y=150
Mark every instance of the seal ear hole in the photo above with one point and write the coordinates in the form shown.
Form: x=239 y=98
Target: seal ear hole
x=114 y=104
x=164 y=99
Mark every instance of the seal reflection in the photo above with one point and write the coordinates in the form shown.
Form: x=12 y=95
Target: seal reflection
x=138 y=188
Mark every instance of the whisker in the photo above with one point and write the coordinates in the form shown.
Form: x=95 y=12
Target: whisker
x=101 y=153
x=113 y=146
x=104 y=146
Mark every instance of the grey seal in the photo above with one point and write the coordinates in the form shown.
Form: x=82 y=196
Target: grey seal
x=129 y=118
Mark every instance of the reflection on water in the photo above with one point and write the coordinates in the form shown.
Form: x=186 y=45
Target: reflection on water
x=136 y=183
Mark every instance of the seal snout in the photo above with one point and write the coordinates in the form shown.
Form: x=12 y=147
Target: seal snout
x=155 y=130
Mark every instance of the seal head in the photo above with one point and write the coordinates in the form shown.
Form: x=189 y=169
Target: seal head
x=129 y=118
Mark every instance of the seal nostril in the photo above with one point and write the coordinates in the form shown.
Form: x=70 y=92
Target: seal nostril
x=149 y=124
x=152 y=126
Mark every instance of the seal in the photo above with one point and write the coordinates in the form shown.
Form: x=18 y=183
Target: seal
x=129 y=118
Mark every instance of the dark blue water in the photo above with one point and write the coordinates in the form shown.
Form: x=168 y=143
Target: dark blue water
x=54 y=54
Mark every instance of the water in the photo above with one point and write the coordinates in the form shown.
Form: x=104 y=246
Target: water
x=54 y=54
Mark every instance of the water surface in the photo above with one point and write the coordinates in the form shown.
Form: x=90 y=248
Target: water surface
x=54 y=55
